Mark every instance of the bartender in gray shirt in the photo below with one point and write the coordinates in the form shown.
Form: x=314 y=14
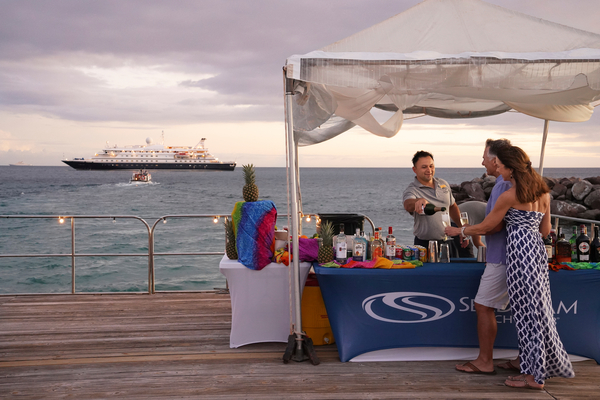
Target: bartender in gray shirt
x=428 y=189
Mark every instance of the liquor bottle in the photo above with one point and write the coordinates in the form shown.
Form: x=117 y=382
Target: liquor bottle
x=573 y=242
x=563 y=248
x=431 y=209
x=359 y=247
x=595 y=247
x=554 y=239
x=341 y=247
x=583 y=245
x=548 y=246
x=390 y=245
x=376 y=246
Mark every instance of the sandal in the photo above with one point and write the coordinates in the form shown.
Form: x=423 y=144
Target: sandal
x=509 y=366
x=523 y=384
x=474 y=369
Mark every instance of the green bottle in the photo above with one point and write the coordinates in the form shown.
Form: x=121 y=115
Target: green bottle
x=573 y=243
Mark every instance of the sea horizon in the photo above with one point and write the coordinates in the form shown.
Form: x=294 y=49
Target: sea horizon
x=60 y=190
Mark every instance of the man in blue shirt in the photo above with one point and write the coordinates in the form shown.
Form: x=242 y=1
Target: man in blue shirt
x=493 y=292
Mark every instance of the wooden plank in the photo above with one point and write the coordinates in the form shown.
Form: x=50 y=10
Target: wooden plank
x=177 y=345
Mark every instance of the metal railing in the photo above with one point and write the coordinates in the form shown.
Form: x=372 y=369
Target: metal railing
x=151 y=230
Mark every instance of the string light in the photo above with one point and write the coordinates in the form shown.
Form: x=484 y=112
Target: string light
x=164 y=221
x=216 y=219
x=61 y=220
x=308 y=218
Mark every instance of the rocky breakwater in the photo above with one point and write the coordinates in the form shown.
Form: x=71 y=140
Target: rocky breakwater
x=572 y=197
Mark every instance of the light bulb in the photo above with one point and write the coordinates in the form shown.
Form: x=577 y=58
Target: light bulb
x=216 y=219
x=61 y=220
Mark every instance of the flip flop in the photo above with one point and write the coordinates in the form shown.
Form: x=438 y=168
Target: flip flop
x=475 y=370
x=522 y=384
x=508 y=366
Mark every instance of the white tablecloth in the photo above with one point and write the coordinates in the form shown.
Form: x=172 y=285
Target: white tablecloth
x=260 y=301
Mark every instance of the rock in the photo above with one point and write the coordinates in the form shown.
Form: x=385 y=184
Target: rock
x=460 y=197
x=474 y=191
x=566 y=182
x=558 y=190
x=581 y=189
x=569 y=194
x=488 y=182
x=477 y=180
x=550 y=181
x=566 y=208
x=488 y=191
x=590 y=214
x=594 y=180
x=561 y=197
x=455 y=187
x=593 y=200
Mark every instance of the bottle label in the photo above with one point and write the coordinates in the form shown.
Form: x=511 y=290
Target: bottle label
x=584 y=251
x=359 y=249
x=342 y=251
x=390 y=251
x=549 y=252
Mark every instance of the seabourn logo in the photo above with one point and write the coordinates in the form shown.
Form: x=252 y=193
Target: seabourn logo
x=407 y=307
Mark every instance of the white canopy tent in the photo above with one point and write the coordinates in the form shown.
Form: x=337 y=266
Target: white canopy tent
x=443 y=58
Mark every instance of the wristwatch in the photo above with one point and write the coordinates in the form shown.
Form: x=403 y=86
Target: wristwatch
x=462 y=232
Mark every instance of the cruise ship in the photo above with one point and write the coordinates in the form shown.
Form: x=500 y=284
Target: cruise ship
x=152 y=156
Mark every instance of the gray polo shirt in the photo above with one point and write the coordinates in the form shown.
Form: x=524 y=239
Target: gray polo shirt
x=429 y=227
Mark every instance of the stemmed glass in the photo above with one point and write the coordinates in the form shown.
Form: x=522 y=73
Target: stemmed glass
x=464 y=218
x=445 y=222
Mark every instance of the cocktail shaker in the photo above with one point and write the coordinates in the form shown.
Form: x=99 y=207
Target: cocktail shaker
x=444 y=253
x=481 y=254
x=432 y=252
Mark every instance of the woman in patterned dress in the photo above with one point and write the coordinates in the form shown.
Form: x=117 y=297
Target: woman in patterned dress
x=525 y=209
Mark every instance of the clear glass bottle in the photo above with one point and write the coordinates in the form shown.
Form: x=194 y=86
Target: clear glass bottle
x=583 y=245
x=359 y=246
x=390 y=245
x=377 y=246
x=341 y=247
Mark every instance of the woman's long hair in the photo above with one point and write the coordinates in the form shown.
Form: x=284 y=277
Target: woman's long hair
x=528 y=183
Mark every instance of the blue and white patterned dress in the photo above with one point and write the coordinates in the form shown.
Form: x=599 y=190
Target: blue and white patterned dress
x=541 y=352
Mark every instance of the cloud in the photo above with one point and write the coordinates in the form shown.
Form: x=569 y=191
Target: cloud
x=163 y=63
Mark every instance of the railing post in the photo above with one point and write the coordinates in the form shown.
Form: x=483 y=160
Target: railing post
x=151 y=260
x=73 y=255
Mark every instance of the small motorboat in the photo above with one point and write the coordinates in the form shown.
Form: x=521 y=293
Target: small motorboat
x=141 y=177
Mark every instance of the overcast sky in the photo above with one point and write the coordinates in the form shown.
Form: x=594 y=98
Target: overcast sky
x=77 y=73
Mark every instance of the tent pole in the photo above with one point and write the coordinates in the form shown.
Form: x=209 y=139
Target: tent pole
x=541 y=168
x=289 y=93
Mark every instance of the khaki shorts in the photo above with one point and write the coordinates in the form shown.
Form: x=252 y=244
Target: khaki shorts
x=493 y=291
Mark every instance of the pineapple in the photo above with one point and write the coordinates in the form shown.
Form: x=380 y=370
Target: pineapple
x=230 y=248
x=250 y=190
x=326 y=250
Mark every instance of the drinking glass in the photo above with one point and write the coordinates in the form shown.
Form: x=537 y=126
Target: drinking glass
x=464 y=218
x=445 y=222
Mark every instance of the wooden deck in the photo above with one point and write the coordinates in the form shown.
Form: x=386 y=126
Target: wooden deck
x=177 y=345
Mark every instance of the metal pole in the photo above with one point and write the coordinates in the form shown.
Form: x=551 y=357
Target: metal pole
x=72 y=255
x=541 y=168
x=151 y=260
x=294 y=211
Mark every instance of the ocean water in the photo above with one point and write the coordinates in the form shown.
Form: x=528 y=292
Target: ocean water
x=374 y=192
